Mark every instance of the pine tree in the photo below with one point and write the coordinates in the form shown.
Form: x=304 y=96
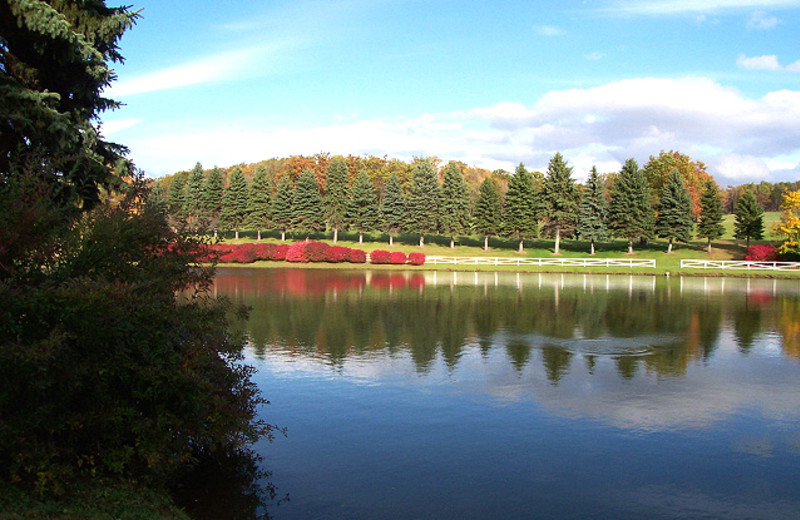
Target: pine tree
x=176 y=200
x=422 y=203
x=749 y=220
x=710 y=221
x=337 y=198
x=593 y=211
x=156 y=198
x=454 y=206
x=674 y=220
x=211 y=202
x=487 y=211
x=362 y=212
x=281 y=207
x=307 y=215
x=259 y=200
x=195 y=187
x=235 y=202
x=561 y=199
x=521 y=216
x=392 y=208
x=630 y=213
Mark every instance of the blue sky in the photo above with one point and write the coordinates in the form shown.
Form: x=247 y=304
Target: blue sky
x=487 y=83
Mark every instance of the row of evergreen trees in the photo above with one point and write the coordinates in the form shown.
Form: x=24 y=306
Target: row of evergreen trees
x=552 y=205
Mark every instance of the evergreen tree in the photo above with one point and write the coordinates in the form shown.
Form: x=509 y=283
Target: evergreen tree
x=307 y=215
x=362 y=212
x=710 y=222
x=560 y=198
x=630 y=213
x=176 y=200
x=259 y=200
x=674 y=220
x=521 y=216
x=454 y=206
x=337 y=198
x=281 y=207
x=392 y=208
x=195 y=186
x=155 y=198
x=235 y=202
x=593 y=211
x=487 y=211
x=749 y=221
x=422 y=203
x=211 y=202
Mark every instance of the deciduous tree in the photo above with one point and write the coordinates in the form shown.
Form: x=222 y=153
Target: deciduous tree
x=789 y=225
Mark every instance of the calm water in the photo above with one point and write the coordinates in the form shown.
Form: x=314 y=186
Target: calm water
x=450 y=396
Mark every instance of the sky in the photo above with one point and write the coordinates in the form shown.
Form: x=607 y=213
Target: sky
x=489 y=83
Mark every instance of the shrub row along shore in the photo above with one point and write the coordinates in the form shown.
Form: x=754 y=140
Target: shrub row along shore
x=304 y=252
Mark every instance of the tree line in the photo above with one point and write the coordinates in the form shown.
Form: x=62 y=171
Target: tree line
x=672 y=198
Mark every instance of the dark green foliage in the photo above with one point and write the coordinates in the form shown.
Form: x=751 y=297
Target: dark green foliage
x=630 y=214
x=259 y=200
x=593 y=211
x=749 y=220
x=560 y=199
x=211 y=202
x=521 y=216
x=281 y=206
x=195 y=186
x=176 y=199
x=422 y=203
x=487 y=210
x=674 y=220
x=362 y=212
x=54 y=65
x=392 y=207
x=235 y=202
x=454 y=206
x=307 y=215
x=155 y=199
x=710 y=222
x=337 y=198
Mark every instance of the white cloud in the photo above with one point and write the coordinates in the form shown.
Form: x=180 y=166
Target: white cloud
x=761 y=21
x=742 y=167
x=766 y=62
x=118 y=125
x=549 y=30
x=676 y=7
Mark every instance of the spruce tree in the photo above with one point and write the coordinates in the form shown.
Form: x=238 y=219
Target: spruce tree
x=521 y=216
x=235 y=202
x=307 y=215
x=259 y=200
x=674 y=220
x=155 y=198
x=212 y=198
x=749 y=220
x=560 y=198
x=630 y=214
x=362 y=211
x=281 y=207
x=487 y=211
x=393 y=208
x=454 y=206
x=336 y=197
x=592 y=224
x=195 y=186
x=422 y=203
x=176 y=200
x=710 y=222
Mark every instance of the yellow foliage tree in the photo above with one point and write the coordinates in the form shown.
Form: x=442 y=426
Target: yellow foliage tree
x=789 y=226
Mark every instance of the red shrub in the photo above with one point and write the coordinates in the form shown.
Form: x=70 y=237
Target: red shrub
x=357 y=256
x=240 y=255
x=336 y=254
x=264 y=251
x=316 y=251
x=397 y=257
x=416 y=258
x=379 y=256
x=761 y=253
x=297 y=252
x=279 y=253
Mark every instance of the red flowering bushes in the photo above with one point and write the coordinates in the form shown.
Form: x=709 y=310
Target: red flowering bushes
x=279 y=253
x=297 y=253
x=358 y=256
x=397 y=257
x=416 y=258
x=303 y=252
x=337 y=254
x=317 y=251
x=379 y=256
x=761 y=253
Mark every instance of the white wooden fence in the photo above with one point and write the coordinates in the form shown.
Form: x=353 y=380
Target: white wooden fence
x=740 y=264
x=558 y=262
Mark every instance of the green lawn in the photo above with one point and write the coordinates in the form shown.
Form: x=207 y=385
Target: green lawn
x=771 y=218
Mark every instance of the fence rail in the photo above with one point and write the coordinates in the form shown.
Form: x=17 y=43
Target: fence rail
x=559 y=262
x=740 y=264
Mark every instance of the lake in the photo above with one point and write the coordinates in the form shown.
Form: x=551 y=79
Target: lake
x=440 y=395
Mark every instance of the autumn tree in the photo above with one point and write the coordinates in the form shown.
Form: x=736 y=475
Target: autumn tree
x=789 y=225
x=487 y=211
x=693 y=173
x=749 y=220
x=259 y=201
x=521 y=216
x=454 y=206
x=709 y=225
x=561 y=199
x=630 y=213
x=337 y=197
x=592 y=225
x=422 y=203
x=235 y=202
x=392 y=208
x=307 y=215
x=674 y=220
x=281 y=205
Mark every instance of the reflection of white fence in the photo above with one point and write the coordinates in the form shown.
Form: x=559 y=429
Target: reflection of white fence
x=558 y=262
x=736 y=264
